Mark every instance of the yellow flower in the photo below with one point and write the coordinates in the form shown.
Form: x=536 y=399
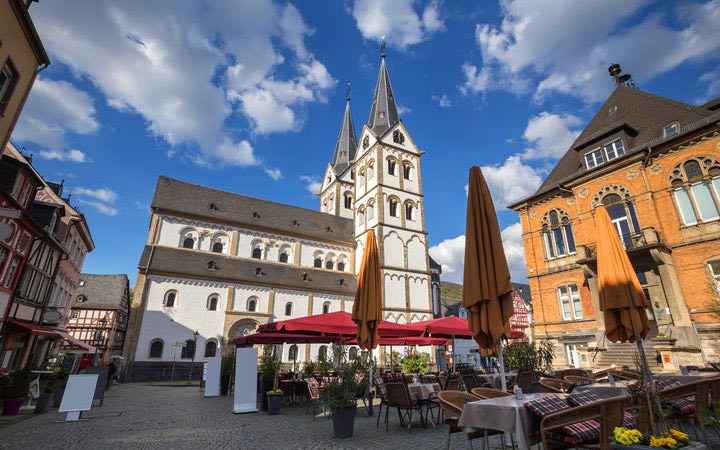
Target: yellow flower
x=627 y=436
x=679 y=435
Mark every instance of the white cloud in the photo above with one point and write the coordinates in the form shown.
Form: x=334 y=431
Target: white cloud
x=101 y=207
x=312 y=184
x=186 y=67
x=569 y=50
x=53 y=109
x=450 y=253
x=73 y=155
x=402 y=110
x=443 y=101
x=711 y=81
x=510 y=181
x=397 y=20
x=550 y=135
x=275 y=174
x=102 y=194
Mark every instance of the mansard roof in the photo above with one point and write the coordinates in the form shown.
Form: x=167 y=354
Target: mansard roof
x=170 y=261
x=102 y=291
x=637 y=117
x=346 y=143
x=178 y=197
x=384 y=113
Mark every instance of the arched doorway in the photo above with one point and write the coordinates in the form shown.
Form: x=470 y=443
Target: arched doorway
x=242 y=327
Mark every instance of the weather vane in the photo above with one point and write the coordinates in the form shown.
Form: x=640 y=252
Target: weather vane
x=347 y=92
x=382 y=46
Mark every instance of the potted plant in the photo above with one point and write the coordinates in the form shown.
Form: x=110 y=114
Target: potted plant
x=44 y=400
x=14 y=396
x=340 y=393
x=269 y=367
x=416 y=364
x=227 y=368
x=632 y=439
x=274 y=400
x=536 y=357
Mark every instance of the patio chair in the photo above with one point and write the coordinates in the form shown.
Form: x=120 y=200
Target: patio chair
x=381 y=391
x=576 y=372
x=452 y=383
x=554 y=385
x=625 y=374
x=588 y=426
x=314 y=396
x=524 y=380
x=452 y=403
x=489 y=393
x=484 y=381
x=399 y=397
x=470 y=381
x=578 y=380
x=687 y=402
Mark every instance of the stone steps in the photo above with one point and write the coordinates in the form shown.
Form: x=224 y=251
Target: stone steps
x=626 y=355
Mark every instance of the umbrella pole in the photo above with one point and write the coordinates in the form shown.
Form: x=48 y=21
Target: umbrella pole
x=369 y=386
x=646 y=375
x=501 y=363
x=454 y=353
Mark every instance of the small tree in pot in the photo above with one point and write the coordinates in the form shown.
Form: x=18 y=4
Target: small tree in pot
x=535 y=357
x=269 y=367
x=14 y=396
x=340 y=394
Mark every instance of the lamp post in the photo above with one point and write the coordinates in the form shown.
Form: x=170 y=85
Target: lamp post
x=192 y=360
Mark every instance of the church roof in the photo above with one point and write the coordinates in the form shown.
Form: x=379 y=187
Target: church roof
x=102 y=291
x=637 y=117
x=172 y=261
x=346 y=143
x=175 y=196
x=384 y=113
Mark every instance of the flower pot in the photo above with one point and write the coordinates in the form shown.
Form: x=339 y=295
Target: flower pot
x=692 y=446
x=274 y=401
x=43 y=403
x=11 y=406
x=343 y=419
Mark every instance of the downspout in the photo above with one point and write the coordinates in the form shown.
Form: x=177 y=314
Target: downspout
x=646 y=161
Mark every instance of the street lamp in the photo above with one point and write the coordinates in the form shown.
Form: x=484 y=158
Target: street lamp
x=192 y=360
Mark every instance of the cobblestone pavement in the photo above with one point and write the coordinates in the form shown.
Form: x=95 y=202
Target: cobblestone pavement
x=139 y=416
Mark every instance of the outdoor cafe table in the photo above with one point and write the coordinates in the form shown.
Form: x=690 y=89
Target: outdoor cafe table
x=494 y=378
x=421 y=392
x=506 y=414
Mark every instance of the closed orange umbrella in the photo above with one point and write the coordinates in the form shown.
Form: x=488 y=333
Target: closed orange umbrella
x=487 y=293
x=622 y=300
x=367 y=308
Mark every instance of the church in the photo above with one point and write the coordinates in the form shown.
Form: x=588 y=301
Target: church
x=217 y=264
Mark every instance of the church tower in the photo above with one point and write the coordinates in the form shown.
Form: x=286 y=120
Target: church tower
x=388 y=198
x=336 y=193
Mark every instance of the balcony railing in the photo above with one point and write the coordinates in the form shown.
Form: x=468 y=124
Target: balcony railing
x=631 y=241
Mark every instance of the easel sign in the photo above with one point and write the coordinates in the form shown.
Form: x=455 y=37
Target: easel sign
x=78 y=396
x=102 y=383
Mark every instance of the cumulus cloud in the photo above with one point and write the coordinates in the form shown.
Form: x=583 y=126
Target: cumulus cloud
x=53 y=109
x=402 y=110
x=450 y=253
x=311 y=184
x=511 y=181
x=532 y=47
x=711 y=81
x=275 y=174
x=102 y=199
x=73 y=155
x=550 y=135
x=443 y=101
x=397 y=20
x=186 y=67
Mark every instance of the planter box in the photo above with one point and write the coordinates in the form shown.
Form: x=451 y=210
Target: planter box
x=274 y=402
x=692 y=446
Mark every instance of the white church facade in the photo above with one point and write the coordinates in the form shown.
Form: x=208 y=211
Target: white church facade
x=218 y=264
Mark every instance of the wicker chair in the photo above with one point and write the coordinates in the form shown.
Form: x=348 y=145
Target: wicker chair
x=554 y=385
x=489 y=393
x=608 y=412
x=524 y=380
x=576 y=372
x=452 y=403
x=578 y=380
x=399 y=397
x=469 y=381
x=453 y=383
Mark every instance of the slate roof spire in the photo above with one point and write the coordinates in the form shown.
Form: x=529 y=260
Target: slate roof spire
x=346 y=141
x=384 y=113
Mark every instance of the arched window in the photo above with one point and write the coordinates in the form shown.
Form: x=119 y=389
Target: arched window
x=696 y=184
x=188 y=242
x=393 y=202
x=288 y=308
x=292 y=352
x=210 y=349
x=557 y=234
x=331 y=204
x=361 y=216
x=252 y=304
x=284 y=254
x=623 y=217
x=371 y=170
x=326 y=307
x=361 y=178
x=407 y=171
x=283 y=257
x=170 y=299
x=212 y=303
x=318 y=262
x=329 y=264
x=188 y=238
x=217 y=247
x=391 y=164
x=348 y=200
x=371 y=210
x=156 y=348
x=353 y=353
x=188 y=350
x=322 y=353
x=341 y=266
x=219 y=243
x=342 y=263
x=409 y=211
x=257 y=249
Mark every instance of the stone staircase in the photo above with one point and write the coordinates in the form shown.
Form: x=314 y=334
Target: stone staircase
x=626 y=355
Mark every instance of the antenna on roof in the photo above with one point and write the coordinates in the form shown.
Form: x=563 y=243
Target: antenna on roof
x=621 y=80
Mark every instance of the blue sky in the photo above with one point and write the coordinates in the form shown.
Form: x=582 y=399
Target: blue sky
x=248 y=97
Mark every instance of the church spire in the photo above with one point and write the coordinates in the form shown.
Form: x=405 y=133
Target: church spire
x=346 y=142
x=384 y=113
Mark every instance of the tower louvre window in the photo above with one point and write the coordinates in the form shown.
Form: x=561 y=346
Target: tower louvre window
x=391 y=167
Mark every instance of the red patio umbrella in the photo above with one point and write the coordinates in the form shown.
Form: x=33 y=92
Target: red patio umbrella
x=411 y=340
x=284 y=338
x=448 y=327
x=335 y=323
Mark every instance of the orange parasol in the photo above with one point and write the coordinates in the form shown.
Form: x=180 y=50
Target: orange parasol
x=487 y=293
x=367 y=308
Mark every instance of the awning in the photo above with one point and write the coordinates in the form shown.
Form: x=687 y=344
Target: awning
x=34 y=328
x=75 y=341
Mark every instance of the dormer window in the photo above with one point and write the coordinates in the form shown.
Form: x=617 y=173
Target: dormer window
x=670 y=130
x=594 y=158
x=614 y=149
